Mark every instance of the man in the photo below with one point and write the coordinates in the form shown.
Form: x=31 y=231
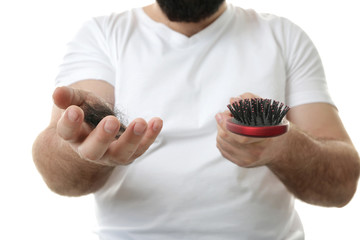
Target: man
x=182 y=60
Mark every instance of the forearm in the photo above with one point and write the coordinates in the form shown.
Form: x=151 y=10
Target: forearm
x=63 y=170
x=321 y=172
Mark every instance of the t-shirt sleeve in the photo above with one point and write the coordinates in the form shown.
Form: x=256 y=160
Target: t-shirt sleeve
x=306 y=82
x=88 y=56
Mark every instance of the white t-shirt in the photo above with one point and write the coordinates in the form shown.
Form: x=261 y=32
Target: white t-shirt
x=182 y=188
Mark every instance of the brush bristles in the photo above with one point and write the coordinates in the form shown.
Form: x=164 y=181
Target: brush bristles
x=258 y=112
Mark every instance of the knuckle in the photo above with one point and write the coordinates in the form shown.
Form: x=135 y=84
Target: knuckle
x=147 y=141
x=128 y=152
x=124 y=157
x=247 y=162
x=219 y=142
x=123 y=161
x=219 y=146
x=86 y=155
x=102 y=138
x=66 y=131
x=242 y=140
x=64 y=134
x=139 y=152
x=128 y=162
x=224 y=150
x=223 y=134
x=225 y=155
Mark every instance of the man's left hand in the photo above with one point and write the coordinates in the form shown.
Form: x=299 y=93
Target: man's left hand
x=241 y=150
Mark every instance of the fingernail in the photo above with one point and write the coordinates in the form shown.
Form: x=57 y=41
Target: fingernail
x=110 y=126
x=72 y=115
x=157 y=125
x=218 y=118
x=139 y=128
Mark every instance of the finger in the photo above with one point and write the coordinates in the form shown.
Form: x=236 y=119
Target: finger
x=241 y=156
x=221 y=119
x=65 y=96
x=234 y=99
x=98 y=141
x=231 y=137
x=228 y=154
x=69 y=124
x=248 y=95
x=120 y=151
x=223 y=133
x=243 y=96
x=153 y=130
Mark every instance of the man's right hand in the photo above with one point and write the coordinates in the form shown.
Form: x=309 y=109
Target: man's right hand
x=99 y=145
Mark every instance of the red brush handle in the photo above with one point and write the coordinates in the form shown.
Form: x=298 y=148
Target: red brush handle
x=264 y=131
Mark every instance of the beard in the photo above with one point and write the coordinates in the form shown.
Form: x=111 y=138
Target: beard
x=190 y=11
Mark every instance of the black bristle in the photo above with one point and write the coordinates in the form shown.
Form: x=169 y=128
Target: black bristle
x=258 y=112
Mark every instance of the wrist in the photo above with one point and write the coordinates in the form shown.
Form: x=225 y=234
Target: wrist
x=288 y=151
x=280 y=146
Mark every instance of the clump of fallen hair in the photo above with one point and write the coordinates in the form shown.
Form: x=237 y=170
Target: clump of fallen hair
x=95 y=112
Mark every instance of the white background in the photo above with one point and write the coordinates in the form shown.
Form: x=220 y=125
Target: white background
x=33 y=35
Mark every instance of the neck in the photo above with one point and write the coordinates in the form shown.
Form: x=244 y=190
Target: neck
x=188 y=29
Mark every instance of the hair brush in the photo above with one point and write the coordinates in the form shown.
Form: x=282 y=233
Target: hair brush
x=95 y=112
x=258 y=117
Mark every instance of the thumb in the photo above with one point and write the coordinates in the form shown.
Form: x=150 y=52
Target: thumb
x=65 y=96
